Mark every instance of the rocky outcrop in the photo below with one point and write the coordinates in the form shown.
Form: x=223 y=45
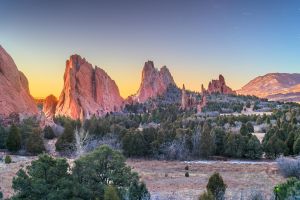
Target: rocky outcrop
x=87 y=91
x=154 y=82
x=183 y=98
x=274 y=86
x=14 y=90
x=187 y=101
x=218 y=86
x=49 y=106
x=202 y=103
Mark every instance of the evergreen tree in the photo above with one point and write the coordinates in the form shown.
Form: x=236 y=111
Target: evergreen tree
x=207 y=146
x=138 y=191
x=3 y=137
x=216 y=186
x=66 y=140
x=44 y=179
x=244 y=130
x=290 y=142
x=250 y=127
x=253 y=149
x=296 y=147
x=219 y=137
x=13 y=142
x=48 y=133
x=35 y=144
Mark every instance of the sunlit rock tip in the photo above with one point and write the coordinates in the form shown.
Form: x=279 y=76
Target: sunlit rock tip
x=218 y=86
x=154 y=82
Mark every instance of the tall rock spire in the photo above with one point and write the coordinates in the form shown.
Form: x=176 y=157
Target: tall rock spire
x=183 y=98
x=87 y=91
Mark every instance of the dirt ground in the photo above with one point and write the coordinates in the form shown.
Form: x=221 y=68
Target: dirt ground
x=166 y=179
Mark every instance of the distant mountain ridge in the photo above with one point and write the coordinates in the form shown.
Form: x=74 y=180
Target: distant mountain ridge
x=274 y=86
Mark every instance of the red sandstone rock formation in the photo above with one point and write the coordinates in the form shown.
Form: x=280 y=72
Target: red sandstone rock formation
x=154 y=82
x=219 y=86
x=202 y=103
x=49 y=106
x=187 y=102
x=14 y=91
x=87 y=91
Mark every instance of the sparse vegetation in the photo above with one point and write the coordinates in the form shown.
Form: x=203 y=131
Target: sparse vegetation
x=7 y=159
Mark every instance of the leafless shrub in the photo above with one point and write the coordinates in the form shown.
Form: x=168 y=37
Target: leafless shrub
x=196 y=143
x=256 y=195
x=175 y=150
x=289 y=167
x=110 y=140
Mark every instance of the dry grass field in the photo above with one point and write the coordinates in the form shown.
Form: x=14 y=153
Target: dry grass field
x=166 y=179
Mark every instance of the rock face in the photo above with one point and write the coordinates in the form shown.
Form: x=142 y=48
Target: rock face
x=14 y=91
x=274 y=86
x=154 y=82
x=183 y=98
x=49 y=106
x=87 y=91
x=218 y=86
x=187 y=101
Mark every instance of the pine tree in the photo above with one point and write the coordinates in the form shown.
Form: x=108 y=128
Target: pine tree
x=216 y=186
x=13 y=142
x=207 y=145
x=297 y=146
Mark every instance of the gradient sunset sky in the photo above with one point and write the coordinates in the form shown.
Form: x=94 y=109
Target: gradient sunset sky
x=196 y=40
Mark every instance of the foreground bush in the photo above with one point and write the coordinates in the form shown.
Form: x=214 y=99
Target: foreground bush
x=90 y=178
x=288 y=190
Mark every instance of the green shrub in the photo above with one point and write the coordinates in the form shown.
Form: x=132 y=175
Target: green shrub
x=48 y=133
x=187 y=174
x=7 y=159
x=13 y=142
x=216 y=186
x=111 y=193
x=186 y=167
x=206 y=196
x=288 y=190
